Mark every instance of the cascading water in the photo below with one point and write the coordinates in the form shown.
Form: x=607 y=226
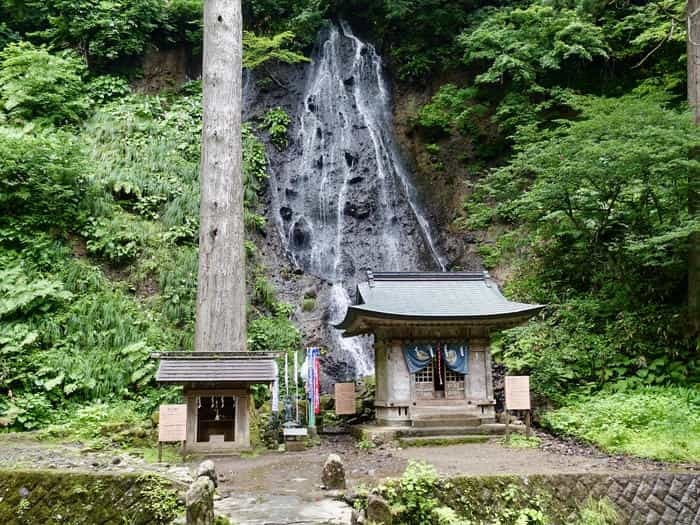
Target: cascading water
x=345 y=200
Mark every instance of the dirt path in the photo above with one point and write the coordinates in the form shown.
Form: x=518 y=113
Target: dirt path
x=282 y=488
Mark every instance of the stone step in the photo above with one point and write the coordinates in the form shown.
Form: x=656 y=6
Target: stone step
x=451 y=430
x=445 y=420
x=442 y=440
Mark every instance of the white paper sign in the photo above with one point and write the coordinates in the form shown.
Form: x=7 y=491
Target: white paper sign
x=518 y=392
x=172 y=423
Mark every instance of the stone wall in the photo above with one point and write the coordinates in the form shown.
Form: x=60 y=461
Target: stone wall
x=655 y=497
x=49 y=497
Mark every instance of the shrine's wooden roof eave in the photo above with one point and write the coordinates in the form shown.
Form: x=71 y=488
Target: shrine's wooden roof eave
x=363 y=322
x=224 y=368
x=428 y=299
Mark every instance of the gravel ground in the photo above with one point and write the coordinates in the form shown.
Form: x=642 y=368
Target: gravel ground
x=282 y=488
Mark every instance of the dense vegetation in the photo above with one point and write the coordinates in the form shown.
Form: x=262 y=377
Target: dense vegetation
x=99 y=197
x=578 y=153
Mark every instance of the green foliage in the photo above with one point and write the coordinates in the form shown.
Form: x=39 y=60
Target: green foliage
x=553 y=37
x=104 y=88
x=597 y=512
x=258 y=50
x=102 y=31
x=600 y=218
x=520 y=441
x=35 y=84
x=41 y=180
x=412 y=496
x=100 y=425
x=184 y=22
x=273 y=334
x=276 y=121
x=657 y=423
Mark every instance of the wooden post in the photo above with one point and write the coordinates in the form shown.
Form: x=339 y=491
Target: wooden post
x=507 y=416
x=528 y=423
x=160 y=452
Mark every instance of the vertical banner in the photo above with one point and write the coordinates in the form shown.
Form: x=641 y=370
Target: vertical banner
x=296 y=389
x=286 y=375
x=313 y=384
x=276 y=390
x=317 y=385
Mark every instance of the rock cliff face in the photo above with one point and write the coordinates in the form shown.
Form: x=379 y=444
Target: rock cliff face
x=341 y=199
x=343 y=196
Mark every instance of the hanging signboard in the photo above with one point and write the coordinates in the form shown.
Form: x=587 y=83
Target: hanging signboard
x=172 y=423
x=518 y=392
x=344 y=399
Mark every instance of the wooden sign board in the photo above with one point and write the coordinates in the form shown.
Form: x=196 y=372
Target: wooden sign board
x=172 y=424
x=344 y=398
x=518 y=392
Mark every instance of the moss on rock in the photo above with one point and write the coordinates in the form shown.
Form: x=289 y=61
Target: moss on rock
x=58 y=497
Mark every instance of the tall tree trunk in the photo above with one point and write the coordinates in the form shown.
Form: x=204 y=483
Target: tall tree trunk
x=221 y=294
x=694 y=182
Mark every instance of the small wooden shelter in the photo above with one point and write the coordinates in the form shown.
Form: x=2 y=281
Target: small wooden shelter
x=431 y=339
x=217 y=393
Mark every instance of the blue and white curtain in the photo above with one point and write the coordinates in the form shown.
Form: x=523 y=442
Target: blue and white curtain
x=418 y=356
x=456 y=357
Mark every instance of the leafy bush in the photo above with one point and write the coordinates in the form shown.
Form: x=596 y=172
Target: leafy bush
x=102 y=31
x=657 y=423
x=600 y=224
x=597 y=512
x=276 y=121
x=35 y=84
x=273 y=334
x=413 y=496
x=41 y=179
x=258 y=50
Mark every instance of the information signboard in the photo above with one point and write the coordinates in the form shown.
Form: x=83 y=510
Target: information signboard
x=172 y=424
x=518 y=392
x=344 y=398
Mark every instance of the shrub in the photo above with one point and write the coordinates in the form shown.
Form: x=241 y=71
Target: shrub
x=276 y=121
x=40 y=86
x=103 y=31
x=657 y=423
x=41 y=180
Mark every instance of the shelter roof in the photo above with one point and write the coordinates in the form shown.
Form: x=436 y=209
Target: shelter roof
x=222 y=367
x=430 y=297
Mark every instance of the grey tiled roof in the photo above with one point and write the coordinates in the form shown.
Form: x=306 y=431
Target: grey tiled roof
x=199 y=367
x=428 y=296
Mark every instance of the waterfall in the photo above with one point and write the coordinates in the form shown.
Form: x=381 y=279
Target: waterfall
x=345 y=200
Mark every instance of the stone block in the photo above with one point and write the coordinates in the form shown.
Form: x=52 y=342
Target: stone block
x=669 y=516
x=672 y=503
x=199 y=501
x=333 y=474
x=656 y=504
x=677 y=489
x=378 y=510
x=207 y=469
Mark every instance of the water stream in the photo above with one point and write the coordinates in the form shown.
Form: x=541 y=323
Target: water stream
x=345 y=199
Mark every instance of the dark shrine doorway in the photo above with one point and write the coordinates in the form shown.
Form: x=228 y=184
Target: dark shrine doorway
x=216 y=418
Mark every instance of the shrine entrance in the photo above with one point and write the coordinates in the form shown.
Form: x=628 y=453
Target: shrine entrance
x=216 y=418
x=436 y=380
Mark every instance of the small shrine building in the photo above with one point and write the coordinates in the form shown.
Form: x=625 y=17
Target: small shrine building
x=216 y=388
x=431 y=340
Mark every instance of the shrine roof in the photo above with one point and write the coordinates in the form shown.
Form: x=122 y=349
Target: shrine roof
x=429 y=297
x=222 y=367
